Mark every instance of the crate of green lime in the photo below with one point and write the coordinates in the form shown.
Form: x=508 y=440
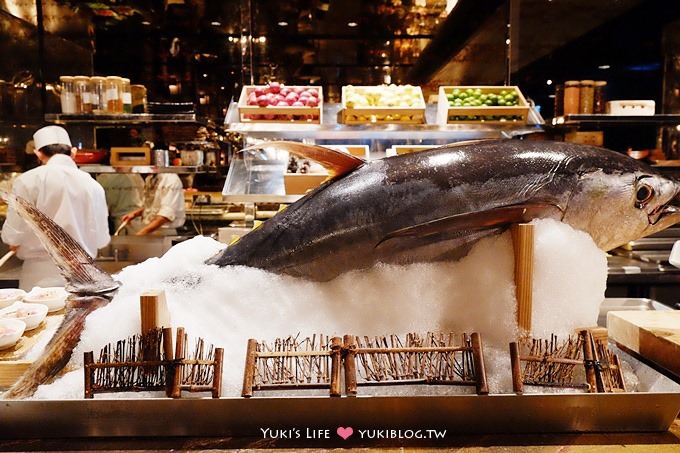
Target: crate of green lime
x=494 y=104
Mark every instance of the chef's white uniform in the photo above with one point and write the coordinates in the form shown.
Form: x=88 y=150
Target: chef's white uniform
x=73 y=199
x=164 y=196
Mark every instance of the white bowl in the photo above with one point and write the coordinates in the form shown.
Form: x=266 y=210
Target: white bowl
x=54 y=297
x=10 y=332
x=10 y=295
x=31 y=314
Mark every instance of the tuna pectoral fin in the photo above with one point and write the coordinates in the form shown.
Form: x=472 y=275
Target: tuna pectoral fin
x=336 y=162
x=492 y=218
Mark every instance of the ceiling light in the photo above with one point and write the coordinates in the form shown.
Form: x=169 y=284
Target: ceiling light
x=604 y=66
x=352 y=24
x=548 y=82
x=282 y=23
x=216 y=23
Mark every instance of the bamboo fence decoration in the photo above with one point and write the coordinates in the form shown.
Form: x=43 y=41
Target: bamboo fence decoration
x=583 y=362
x=147 y=363
x=310 y=363
x=318 y=362
x=433 y=358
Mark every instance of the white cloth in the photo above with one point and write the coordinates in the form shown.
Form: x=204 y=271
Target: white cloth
x=71 y=197
x=164 y=196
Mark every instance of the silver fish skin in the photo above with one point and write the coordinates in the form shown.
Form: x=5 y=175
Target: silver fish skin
x=434 y=205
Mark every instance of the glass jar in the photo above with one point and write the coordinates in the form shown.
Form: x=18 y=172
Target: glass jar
x=600 y=97
x=559 y=100
x=586 y=93
x=114 y=97
x=571 y=97
x=126 y=95
x=98 y=94
x=68 y=95
x=138 y=98
x=82 y=89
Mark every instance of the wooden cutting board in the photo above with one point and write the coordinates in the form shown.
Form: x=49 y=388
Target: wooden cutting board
x=655 y=335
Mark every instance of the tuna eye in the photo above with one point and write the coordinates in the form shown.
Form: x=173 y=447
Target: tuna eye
x=643 y=195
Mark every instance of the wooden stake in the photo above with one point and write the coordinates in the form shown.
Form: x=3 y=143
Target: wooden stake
x=517 y=381
x=523 y=245
x=480 y=369
x=336 y=359
x=154 y=310
x=249 y=373
x=88 y=360
x=350 y=365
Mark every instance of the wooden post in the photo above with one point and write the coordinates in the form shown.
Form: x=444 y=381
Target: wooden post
x=179 y=356
x=517 y=381
x=589 y=361
x=523 y=245
x=154 y=310
x=480 y=370
x=170 y=365
x=217 y=373
x=249 y=372
x=350 y=366
x=88 y=360
x=336 y=361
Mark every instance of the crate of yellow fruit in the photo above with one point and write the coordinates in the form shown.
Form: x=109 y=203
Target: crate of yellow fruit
x=383 y=104
x=492 y=104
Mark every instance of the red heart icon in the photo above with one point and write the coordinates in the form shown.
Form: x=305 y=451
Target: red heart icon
x=345 y=432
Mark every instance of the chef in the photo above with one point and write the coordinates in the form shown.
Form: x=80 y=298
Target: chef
x=71 y=197
x=163 y=209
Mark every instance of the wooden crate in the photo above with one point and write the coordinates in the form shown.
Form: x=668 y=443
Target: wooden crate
x=300 y=183
x=381 y=114
x=495 y=114
x=406 y=149
x=130 y=156
x=361 y=151
x=279 y=114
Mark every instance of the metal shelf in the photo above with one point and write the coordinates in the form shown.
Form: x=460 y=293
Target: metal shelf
x=124 y=119
x=332 y=129
x=144 y=169
x=616 y=120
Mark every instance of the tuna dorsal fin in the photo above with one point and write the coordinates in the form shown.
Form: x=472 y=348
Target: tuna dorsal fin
x=492 y=218
x=336 y=162
x=81 y=272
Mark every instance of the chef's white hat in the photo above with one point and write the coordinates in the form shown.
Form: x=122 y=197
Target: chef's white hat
x=51 y=135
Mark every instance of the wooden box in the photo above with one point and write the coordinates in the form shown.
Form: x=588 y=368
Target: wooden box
x=361 y=151
x=130 y=156
x=279 y=114
x=488 y=109
x=381 y=110
x=300 y=183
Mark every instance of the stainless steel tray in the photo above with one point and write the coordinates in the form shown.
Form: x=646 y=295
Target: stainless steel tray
x=235 y=418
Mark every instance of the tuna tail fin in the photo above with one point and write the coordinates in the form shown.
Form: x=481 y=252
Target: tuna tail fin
x=82 y=274
x=336 y=162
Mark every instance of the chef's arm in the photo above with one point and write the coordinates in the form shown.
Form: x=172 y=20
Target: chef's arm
x=152 y=226
x=132 y=214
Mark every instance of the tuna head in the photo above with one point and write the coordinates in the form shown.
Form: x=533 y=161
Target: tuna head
x=615 y=208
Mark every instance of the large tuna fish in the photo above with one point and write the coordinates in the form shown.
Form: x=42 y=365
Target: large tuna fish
x=431 y=205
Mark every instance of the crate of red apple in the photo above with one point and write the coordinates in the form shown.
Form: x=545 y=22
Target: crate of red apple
x=280 y=103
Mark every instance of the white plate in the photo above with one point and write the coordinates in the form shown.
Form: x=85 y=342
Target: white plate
x=10 y=295
x=10 y=332
x=54 y=297
x=31 y=314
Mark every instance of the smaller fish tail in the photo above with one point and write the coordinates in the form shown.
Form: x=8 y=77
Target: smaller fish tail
x=81 y=272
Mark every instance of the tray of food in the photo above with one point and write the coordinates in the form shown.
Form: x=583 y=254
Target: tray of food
x=277 y=103
x=494 y=104
x=382 y=104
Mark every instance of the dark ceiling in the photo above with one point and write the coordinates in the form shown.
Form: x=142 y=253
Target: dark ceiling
x=221 y=45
